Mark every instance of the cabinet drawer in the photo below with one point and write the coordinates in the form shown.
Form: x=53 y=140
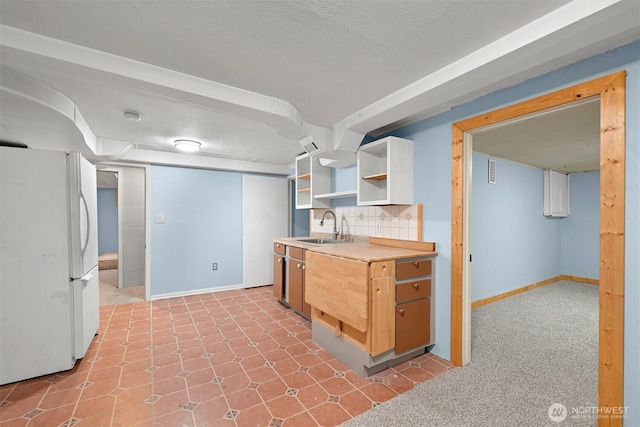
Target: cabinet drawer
x=297 y=253
x=412 y=325
x=279 y=248
x=413 y=290
x=409 y=269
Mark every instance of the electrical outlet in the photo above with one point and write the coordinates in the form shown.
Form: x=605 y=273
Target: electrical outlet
x=214 y=266
x=160 y=219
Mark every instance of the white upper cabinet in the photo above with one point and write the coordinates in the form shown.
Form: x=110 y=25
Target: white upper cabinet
x=311 y=179
x=385 y=172
x=556 y=194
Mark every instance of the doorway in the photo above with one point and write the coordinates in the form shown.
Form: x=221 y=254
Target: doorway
x=611 y=91
x=515 y=247
x=122 y=221
x=108 y=218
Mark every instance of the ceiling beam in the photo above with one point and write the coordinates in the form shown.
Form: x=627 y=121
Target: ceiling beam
x=559 y=38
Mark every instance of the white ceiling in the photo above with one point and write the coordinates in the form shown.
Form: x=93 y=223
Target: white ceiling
x=566 y=140
x=250 y=79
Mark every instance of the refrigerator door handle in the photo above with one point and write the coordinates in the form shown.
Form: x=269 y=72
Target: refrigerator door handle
x=83 y=249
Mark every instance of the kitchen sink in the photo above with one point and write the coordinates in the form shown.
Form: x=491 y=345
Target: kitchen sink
x=320 y=241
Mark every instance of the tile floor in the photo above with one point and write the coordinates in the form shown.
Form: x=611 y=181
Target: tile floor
x=233 y=358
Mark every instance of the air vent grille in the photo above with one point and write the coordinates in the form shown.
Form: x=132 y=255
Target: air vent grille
x=492 y=171
x=311 y=147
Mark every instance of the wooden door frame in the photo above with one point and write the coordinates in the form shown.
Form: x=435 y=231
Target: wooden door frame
x=611 y=91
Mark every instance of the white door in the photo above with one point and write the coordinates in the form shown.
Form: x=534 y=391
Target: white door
x=264 y=218
x=131 y=244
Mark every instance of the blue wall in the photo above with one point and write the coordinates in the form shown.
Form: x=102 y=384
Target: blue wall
x=581 y=229
x=203 y=211
x=107 y=221
x=344 y=179
x=512 y=243
x=432 y=188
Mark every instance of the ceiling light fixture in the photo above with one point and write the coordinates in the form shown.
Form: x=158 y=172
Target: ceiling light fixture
x=187 y=145
x=134 y=116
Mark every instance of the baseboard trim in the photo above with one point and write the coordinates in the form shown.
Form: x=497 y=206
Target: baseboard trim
x=580 y=279
x=199 y=292
x=495 y=298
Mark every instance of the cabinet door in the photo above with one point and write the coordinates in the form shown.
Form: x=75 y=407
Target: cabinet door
x=382 y=330
x=278 y=276
x=556 y=194
x=296 y=276
x=306 y=307
x=412 y=325
x=339 y=287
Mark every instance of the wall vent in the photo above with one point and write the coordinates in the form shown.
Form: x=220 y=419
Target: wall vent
x=311 y=147
x=492 y=171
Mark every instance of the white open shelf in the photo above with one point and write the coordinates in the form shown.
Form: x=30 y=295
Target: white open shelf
x=385 y=172
x=337 y=195
x=311 y=178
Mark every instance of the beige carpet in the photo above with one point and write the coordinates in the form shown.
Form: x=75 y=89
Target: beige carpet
x=110 y=294
x=534 y=356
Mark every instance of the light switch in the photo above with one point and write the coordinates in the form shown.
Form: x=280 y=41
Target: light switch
x=160 y=219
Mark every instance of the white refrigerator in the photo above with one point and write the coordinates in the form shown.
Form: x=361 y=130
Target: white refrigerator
x=49 y=294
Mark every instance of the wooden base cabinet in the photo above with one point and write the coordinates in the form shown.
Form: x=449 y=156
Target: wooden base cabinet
x=413 y=320
x=371 y=315
x=289 y=277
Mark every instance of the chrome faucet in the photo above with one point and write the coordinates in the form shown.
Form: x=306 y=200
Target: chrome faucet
x=335 y=223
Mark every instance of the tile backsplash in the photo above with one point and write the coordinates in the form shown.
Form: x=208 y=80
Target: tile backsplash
x=396 y=221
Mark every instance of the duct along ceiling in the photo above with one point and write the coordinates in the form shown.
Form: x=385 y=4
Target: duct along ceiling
x=255 y=81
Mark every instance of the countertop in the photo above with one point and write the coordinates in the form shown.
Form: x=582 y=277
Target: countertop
x=357 y=251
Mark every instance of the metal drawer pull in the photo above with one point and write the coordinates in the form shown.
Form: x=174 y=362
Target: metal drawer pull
x=298 y=265
x=417 y=286
x=417 y=264
x=277 y=245
x=401 y=311
x=279 y=259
